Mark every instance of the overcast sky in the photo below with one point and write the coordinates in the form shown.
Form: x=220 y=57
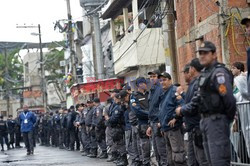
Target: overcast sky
x=33 y=12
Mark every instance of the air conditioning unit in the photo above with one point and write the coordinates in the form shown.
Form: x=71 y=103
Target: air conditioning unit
x=62 y=63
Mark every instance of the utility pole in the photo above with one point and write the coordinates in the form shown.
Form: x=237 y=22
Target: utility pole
x=98 y=43
x=170 y=39
x=42 y=70
x=6 y=81
x=93 y=47
x=93 y=8
x=71 y=42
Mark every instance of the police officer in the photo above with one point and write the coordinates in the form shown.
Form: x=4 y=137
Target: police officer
x=139 y=105
x=87 y=123
x=71 y=128
x=192 y=118
x=11 y=130
x=85 y=138
x=3 y=133
x=99 y=125
x=18 y=132
x=110 y=143
x=128 y=127
x=65 y=129
x=216 y=104
x=56 y=127
x=61 y=130
x=154 y=130
x=50 y=130
x=116 y=122
x=135 y=153
x=79 y=124
x=91 y=130
x=171 y=124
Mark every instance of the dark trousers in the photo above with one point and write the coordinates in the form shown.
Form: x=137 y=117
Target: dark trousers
x=12 y=138
x=137 y=154
x=159 y=145
x=216 y=141
x=175 y=147
x=28 y=141
x=72 y=138
x=18 y=138
x=61 y=138
x=100 y=138
x=196 y=152
x=4 y=138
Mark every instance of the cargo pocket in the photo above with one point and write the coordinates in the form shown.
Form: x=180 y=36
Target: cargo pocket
x=179 y=157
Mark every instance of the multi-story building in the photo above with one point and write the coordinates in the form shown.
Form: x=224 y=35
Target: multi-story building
x=136 y=36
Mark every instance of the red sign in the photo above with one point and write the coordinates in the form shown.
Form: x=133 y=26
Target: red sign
x=96 y=87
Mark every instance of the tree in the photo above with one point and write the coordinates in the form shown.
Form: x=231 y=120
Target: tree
x=14 y=76
x=56 y=72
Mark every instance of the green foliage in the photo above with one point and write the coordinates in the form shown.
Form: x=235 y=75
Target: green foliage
x=52 y=64
x=15 y=70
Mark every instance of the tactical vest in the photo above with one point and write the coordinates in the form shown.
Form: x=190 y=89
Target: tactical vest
x=211 y=101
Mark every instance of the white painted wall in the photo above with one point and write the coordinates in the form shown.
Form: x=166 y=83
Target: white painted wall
x=148 y=50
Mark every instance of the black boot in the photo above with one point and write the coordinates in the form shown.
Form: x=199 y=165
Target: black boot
x=123 y=161
x=113 y=157
x=93 y=153
x=104 y=155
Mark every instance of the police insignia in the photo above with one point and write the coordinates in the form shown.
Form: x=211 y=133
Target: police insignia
x=116 y=111
x=222 y=89
x=132 y=100
x=221 y=79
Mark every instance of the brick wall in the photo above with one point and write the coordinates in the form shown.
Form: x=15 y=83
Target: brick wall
x=205 y=9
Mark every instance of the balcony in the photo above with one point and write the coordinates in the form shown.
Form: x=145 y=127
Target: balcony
x=146 y=50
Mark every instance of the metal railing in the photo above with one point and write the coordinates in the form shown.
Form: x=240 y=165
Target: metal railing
x=240 y=136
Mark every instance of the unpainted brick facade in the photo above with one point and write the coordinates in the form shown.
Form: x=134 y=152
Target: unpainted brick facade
x=193 y=13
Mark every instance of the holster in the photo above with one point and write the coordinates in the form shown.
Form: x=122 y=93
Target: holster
x=142 y=131
x=197 y=137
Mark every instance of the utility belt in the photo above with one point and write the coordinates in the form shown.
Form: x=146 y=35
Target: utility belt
x=197 y=137
x=207 y=115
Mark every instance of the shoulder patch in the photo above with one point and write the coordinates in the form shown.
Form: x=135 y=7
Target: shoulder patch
x=222 y=89
x=132 y=100
x=116 y=111
x=220 y=78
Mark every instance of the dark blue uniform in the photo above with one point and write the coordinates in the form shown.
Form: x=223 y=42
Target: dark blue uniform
x=157 y=138
x=116 y=121
x=192 y=118
x=217 y=107
x=173 y=136
x=11 y=130
x=139 y=105
x=4 y=134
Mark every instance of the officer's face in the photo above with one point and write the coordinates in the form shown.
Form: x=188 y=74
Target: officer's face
x=207 y=58
x=143 y=86
x=187 y=77
x=153 y=78
x=165 y=82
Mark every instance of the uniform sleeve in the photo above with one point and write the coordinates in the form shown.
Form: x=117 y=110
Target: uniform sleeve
x=190 y=108
x=114 y=118
x=223 y=85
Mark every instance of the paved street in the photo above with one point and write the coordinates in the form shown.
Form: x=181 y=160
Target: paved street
x=47 y=156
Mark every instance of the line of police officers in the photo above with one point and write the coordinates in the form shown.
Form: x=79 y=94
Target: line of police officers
x=10 y=133
x=133 y=121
